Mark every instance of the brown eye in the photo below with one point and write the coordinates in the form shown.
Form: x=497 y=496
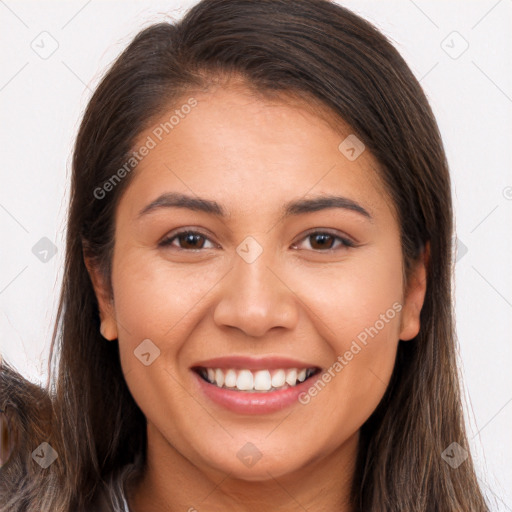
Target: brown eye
x=191 y=241
x=323 y=241
x=185 y=240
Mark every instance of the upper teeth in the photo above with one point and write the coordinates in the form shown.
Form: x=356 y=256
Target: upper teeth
x=258 y=380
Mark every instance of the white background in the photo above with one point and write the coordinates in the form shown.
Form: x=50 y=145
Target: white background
x=42 y=100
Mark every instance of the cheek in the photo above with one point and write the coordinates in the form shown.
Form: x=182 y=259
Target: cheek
x=358 y=312
x=155 y=307
x=157 y=300
x=360 y=300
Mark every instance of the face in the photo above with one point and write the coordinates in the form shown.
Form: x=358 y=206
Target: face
x=258 y=330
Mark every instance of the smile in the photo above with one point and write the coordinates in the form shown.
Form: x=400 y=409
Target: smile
x=255 y=381
x=250 y=385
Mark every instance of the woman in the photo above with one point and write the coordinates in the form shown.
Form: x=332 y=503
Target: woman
x=256 y=311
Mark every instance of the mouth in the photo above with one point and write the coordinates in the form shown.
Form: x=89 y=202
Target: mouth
x=248 y=385
x=267 y=380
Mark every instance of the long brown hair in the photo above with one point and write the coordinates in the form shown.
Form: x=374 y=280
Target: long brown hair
x=316 y=49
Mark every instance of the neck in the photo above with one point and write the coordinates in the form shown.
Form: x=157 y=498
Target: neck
x=171 y=483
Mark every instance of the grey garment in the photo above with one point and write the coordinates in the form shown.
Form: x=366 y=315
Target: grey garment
x=112 y=496
x=117 y=492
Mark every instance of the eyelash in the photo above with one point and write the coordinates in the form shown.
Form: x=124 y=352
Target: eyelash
x=346 y=243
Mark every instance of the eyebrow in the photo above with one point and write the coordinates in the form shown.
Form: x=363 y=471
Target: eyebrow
x=292 y=208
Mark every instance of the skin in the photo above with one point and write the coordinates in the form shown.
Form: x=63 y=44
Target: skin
x=251 y=156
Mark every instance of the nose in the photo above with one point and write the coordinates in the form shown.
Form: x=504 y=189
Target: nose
x=255 y=298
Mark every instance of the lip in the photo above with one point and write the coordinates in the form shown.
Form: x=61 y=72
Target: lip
x=253 y=363
x=242 y=402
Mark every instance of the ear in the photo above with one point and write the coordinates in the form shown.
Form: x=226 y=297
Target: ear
x=414 y=296
x=108 y=327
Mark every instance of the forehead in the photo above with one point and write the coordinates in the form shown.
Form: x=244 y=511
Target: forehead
x=251 y=151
